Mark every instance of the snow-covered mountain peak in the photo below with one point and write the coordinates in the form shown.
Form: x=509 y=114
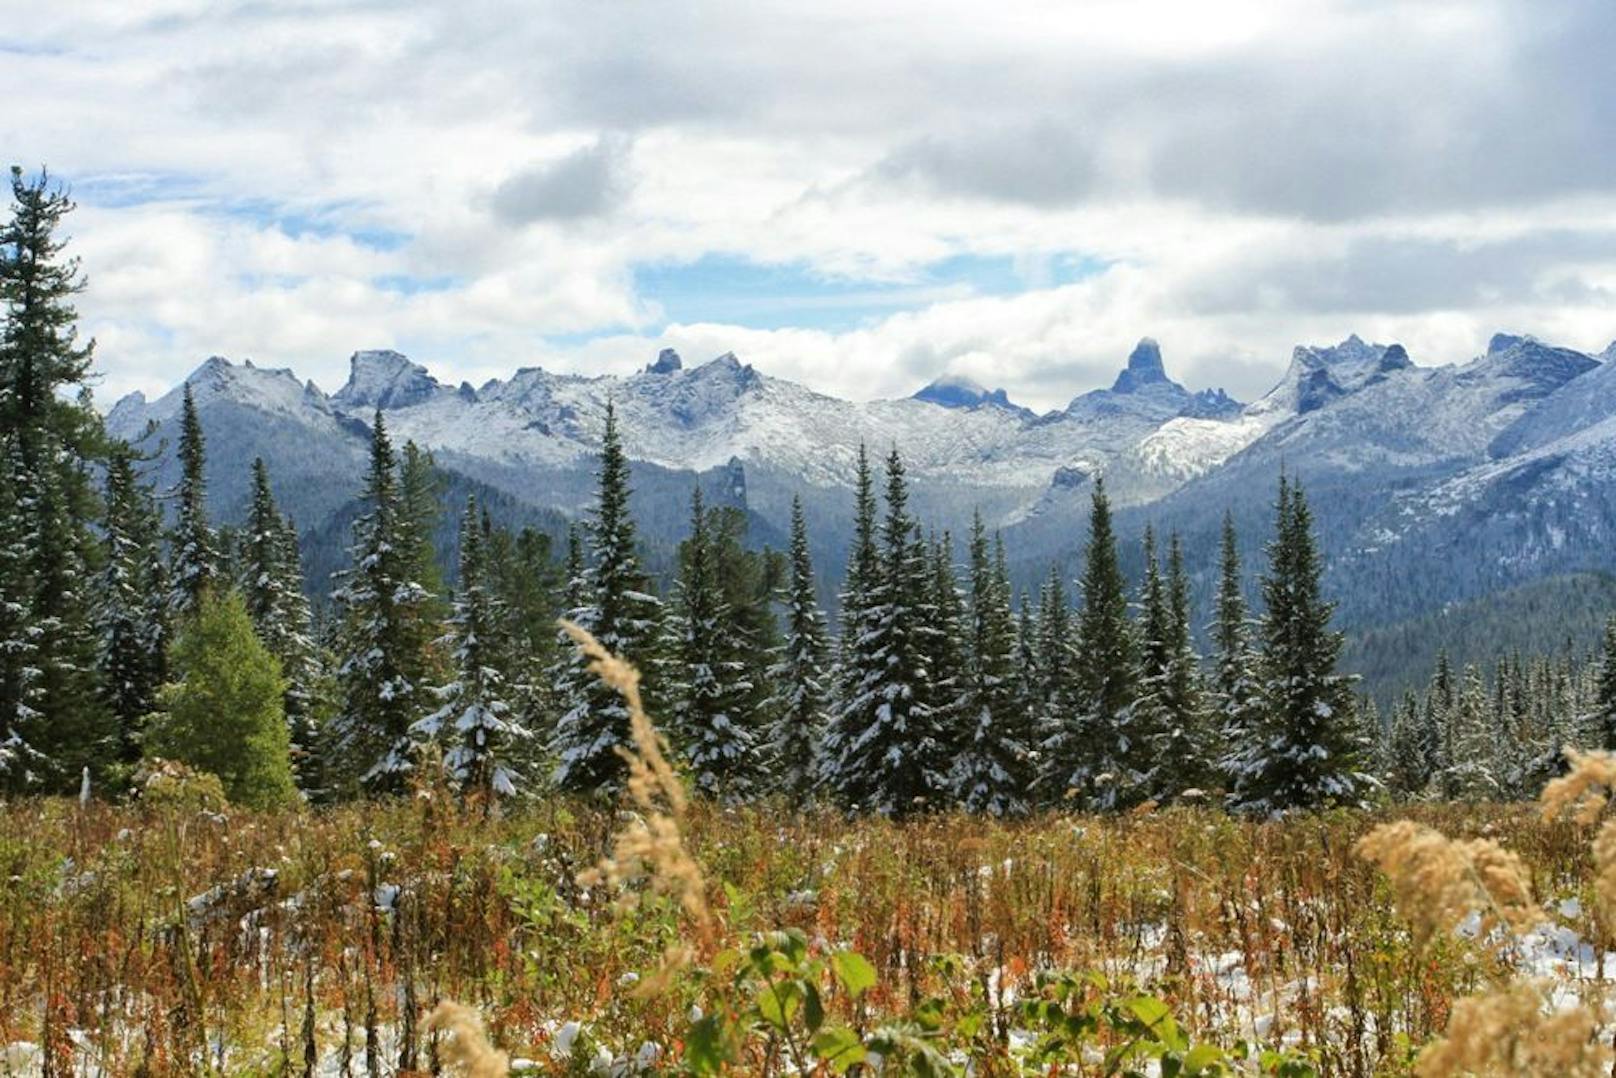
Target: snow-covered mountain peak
x=667 y=362
x=1320 y=374
x=1539 y=368
x=383 y=378
x=1144 y=368
x=963 y=391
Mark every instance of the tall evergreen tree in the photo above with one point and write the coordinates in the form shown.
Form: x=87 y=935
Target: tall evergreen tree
x=55 y=440
x=476 y=720
x=892 y=758
x=23 y=765
x=1106 y=667
x=994 y=770
x=382 y=667
x=1408 y=773
x=1185 y=742
x=1304 y=752
x=195 y=551
x=800 y=676
x=1054 y=704
x=132 y=629
x=1604 y=716
x=945 y=649
x=708 y=679
x=1472 y=770
x=622 y=613
x=271 y=580
x=1235 y=680
x=858 y=660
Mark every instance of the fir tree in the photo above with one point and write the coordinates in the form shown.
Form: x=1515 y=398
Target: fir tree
x=1408 y=773
x=945 y=649
x=1145 y=724
x=132 y=629
x=1604 y=715
x=994 y=772
x=1055 y=708
x=1235 y=681
x=858 y=659
x=892 y=758
x=195 y=552
x=1304 y=752
x=708 y=679
x=476 y=720
x=56 y=440
x=224 y=714
x=1184 y=745
x=23 y=766
x=382 y=668
x=800 y=675
x=1472 y=771
x=272 y=587
x=1106 y=687
x=621 y=612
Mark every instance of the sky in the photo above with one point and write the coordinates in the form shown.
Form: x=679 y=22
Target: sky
x=857 y=196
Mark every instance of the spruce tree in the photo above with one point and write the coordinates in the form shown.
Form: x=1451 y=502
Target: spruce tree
x=994 y=770
x=1604 y=715
x=55 y=444
x=132 y=629
x=1408 y=774
x=476 y=721
x=1184 y=746
x=945 y=648
x=195 y=552
x=1055 y=707
x=271 y=581
x=1304 y=752
x=892 y=757
x=858 y=659
x=223 y=716
x=800 y=675
x=707 y=673
x=621 y=612
x=23 y=766
x=1472 y=772
x=1106 y=667
x=1235 y=682
x=382 y=667
x=1146 y=723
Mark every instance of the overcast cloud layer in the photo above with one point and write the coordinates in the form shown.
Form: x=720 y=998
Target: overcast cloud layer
x=856 y=196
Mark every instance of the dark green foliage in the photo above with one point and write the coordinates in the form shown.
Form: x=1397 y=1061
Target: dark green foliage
x=386 y=627
x=1106 y=664
x=801 y=676
x=617 y=606
x=195 y=549
x=131 y=619
x=994 y=773
x=1304 y=751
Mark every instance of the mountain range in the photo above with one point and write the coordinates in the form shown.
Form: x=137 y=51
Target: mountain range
x=1432 y=485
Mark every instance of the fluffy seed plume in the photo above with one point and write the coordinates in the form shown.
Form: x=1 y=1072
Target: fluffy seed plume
x=465 y=1049
x=1582 y=793
x=1510 y=1032
x=1438 y=881
x=1584 y=790
x=650 y=848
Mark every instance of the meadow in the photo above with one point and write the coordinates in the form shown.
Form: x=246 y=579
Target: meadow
x=175 y=936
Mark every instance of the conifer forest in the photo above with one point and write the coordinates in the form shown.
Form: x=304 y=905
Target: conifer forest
x=527 y=802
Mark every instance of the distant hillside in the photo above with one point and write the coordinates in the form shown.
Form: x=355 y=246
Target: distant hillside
x=1544 y=616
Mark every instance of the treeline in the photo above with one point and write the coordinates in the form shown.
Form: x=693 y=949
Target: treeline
x=1499 y=734
x=130 y=635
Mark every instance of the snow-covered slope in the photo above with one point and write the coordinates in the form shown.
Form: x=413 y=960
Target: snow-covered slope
x=1514 y=450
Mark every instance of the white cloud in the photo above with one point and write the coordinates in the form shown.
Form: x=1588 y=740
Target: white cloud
x=471 y=183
